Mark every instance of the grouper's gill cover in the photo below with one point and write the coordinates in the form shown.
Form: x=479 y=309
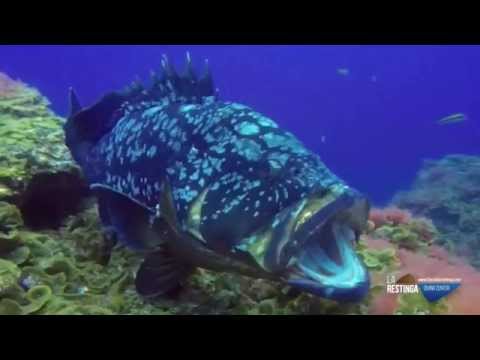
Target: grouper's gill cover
x=235 y=165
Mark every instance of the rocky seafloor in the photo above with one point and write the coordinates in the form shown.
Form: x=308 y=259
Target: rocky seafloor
x=52 y=258
x=448 y=192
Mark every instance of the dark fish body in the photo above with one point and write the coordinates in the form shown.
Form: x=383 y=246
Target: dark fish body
x=202 y=182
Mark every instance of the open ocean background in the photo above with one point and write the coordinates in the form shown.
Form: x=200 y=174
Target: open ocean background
x=370 y=112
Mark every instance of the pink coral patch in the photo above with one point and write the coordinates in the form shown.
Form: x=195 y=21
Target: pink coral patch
x=384 y=304
x=390 y=215
x=464 y=301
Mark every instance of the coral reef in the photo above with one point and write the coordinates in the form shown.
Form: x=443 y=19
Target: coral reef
x=61 y=272
x=404 y=230
x=448 y=192
x=389 y=216
x=8 y=87
x=36 y=170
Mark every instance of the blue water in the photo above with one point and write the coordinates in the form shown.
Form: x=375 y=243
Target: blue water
x=378 y=122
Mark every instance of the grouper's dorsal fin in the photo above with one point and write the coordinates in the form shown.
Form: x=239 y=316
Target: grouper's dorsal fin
x=206 y=82
x=183 y=88
x=95 y=121
x=74 y=104
x=189 y=71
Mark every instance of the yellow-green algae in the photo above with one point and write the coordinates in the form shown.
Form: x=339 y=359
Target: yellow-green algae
x=416 y=304
x=61 y=274
x=32 y=141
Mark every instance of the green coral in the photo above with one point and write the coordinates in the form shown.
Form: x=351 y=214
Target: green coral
x=9 y=275
x=412 y=236
x=416 y=304
x=377 y=260
x=36 y=167
x=10 y=307
x=19 y=256
x=10 y=217
x=61 y=274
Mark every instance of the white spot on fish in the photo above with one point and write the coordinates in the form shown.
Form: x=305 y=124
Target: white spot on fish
x=248 y=149
x=247 y=128
x=266 y=122
x=236 y=106
x=186 y=108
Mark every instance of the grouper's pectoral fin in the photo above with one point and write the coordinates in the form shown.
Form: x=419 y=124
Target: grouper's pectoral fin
x=130 y=220
x=168 y=267
x=160 y=274
x=167 y=208
x=162 y=271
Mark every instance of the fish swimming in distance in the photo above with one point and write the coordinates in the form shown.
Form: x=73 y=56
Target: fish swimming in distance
x=452 y=119
x=194 y=181
x=343 y=72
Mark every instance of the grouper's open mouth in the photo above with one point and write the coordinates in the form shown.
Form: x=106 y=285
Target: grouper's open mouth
x=311 y=245
x=328 y=266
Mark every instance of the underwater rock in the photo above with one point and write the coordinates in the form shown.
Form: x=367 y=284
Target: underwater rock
x=36 y=170
x=448 y=192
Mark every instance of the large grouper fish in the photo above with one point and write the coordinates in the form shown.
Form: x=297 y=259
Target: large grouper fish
x=193 y=181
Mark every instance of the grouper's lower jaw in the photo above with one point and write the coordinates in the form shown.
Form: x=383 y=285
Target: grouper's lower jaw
x=329 y=267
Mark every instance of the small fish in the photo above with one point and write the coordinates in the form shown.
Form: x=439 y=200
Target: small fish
x=193 y=181
x=373 y=78
x=323 y=139
x=452 y=119
x=343 y=71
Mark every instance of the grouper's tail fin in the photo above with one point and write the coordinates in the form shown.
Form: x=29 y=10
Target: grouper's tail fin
x=85 y=126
